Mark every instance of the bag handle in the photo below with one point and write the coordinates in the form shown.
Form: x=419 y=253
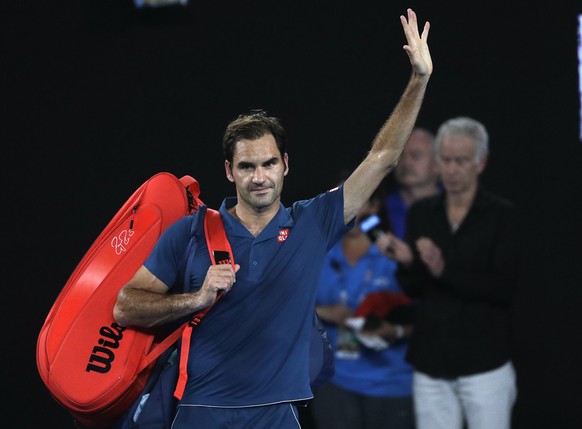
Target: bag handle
x=192 y=193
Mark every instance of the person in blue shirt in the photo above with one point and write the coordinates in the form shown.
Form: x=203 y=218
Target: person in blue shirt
x=372 y=384
x=248 y=361
x=415 y=177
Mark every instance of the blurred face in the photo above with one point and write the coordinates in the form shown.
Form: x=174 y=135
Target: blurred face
x=458 y=167
x=257 y=170
x=417 y=165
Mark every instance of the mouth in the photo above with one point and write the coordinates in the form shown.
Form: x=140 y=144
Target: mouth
x=260 y=191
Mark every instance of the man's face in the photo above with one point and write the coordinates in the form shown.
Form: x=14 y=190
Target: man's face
x=458 y=167
x=257 y=170
x=417 y=165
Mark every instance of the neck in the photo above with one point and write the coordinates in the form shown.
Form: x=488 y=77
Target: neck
x=458 y=205
x=462 y=199
x=255 y=220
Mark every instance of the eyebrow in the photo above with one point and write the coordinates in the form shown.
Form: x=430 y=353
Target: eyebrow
x=245 y=164
x=455 y=158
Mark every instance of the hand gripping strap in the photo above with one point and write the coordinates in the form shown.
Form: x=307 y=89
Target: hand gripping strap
x=220 y=253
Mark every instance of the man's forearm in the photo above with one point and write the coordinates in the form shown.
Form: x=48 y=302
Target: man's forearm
x=142 y=308
x=392 y=137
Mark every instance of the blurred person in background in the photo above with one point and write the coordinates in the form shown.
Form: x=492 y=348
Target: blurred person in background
x=415 y=177
x=460 y=262
x=372 y=384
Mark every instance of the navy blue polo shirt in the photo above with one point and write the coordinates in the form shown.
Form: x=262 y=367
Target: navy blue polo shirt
x=252 y=347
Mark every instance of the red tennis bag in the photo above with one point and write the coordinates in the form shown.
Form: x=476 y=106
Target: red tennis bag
x=91 y=365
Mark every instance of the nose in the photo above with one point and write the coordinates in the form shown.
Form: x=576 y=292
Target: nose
x=447 y=166
x=259 y=175
x=408 y=162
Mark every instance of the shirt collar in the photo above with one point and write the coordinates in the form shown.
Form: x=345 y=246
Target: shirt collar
x=234 y=227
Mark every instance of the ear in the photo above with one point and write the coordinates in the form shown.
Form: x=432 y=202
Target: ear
x=482 y=164
x=228 y=170
x=286 y=161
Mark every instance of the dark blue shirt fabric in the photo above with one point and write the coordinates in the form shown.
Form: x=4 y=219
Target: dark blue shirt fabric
x=462 y=324
x=252 y=347
x=397 y=210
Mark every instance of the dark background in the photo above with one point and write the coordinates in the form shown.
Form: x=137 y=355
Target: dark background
x=98 y=96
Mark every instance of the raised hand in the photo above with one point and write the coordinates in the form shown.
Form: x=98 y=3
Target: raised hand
x=417 y=46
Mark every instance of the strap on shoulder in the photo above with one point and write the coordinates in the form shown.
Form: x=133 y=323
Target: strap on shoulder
x=195 y=232
x=220 y=253
x=218 y=244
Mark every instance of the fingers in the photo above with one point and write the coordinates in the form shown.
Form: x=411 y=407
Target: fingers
x=392 y=245
x=417 y=46
x=394 y=248
x=431 y=255
x=384 y=241
x=410 y=26
x=221 y=277
x=424 y=242
x=425 y=31
x=412 y=22
x=388 y=243
x=426 y=247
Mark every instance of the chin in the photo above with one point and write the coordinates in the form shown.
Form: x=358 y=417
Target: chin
x=262 y=203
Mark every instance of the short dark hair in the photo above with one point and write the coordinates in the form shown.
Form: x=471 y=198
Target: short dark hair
x=252 y=126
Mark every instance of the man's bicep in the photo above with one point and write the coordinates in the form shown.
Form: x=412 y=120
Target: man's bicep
x=143 y=279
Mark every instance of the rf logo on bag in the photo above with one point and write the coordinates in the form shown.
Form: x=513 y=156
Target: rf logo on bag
x=120 y=242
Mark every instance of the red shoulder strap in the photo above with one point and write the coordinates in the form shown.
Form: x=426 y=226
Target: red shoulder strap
x=218 y=244
x=220 y=253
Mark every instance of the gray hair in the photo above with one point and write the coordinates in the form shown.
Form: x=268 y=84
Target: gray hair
x=464 y=126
